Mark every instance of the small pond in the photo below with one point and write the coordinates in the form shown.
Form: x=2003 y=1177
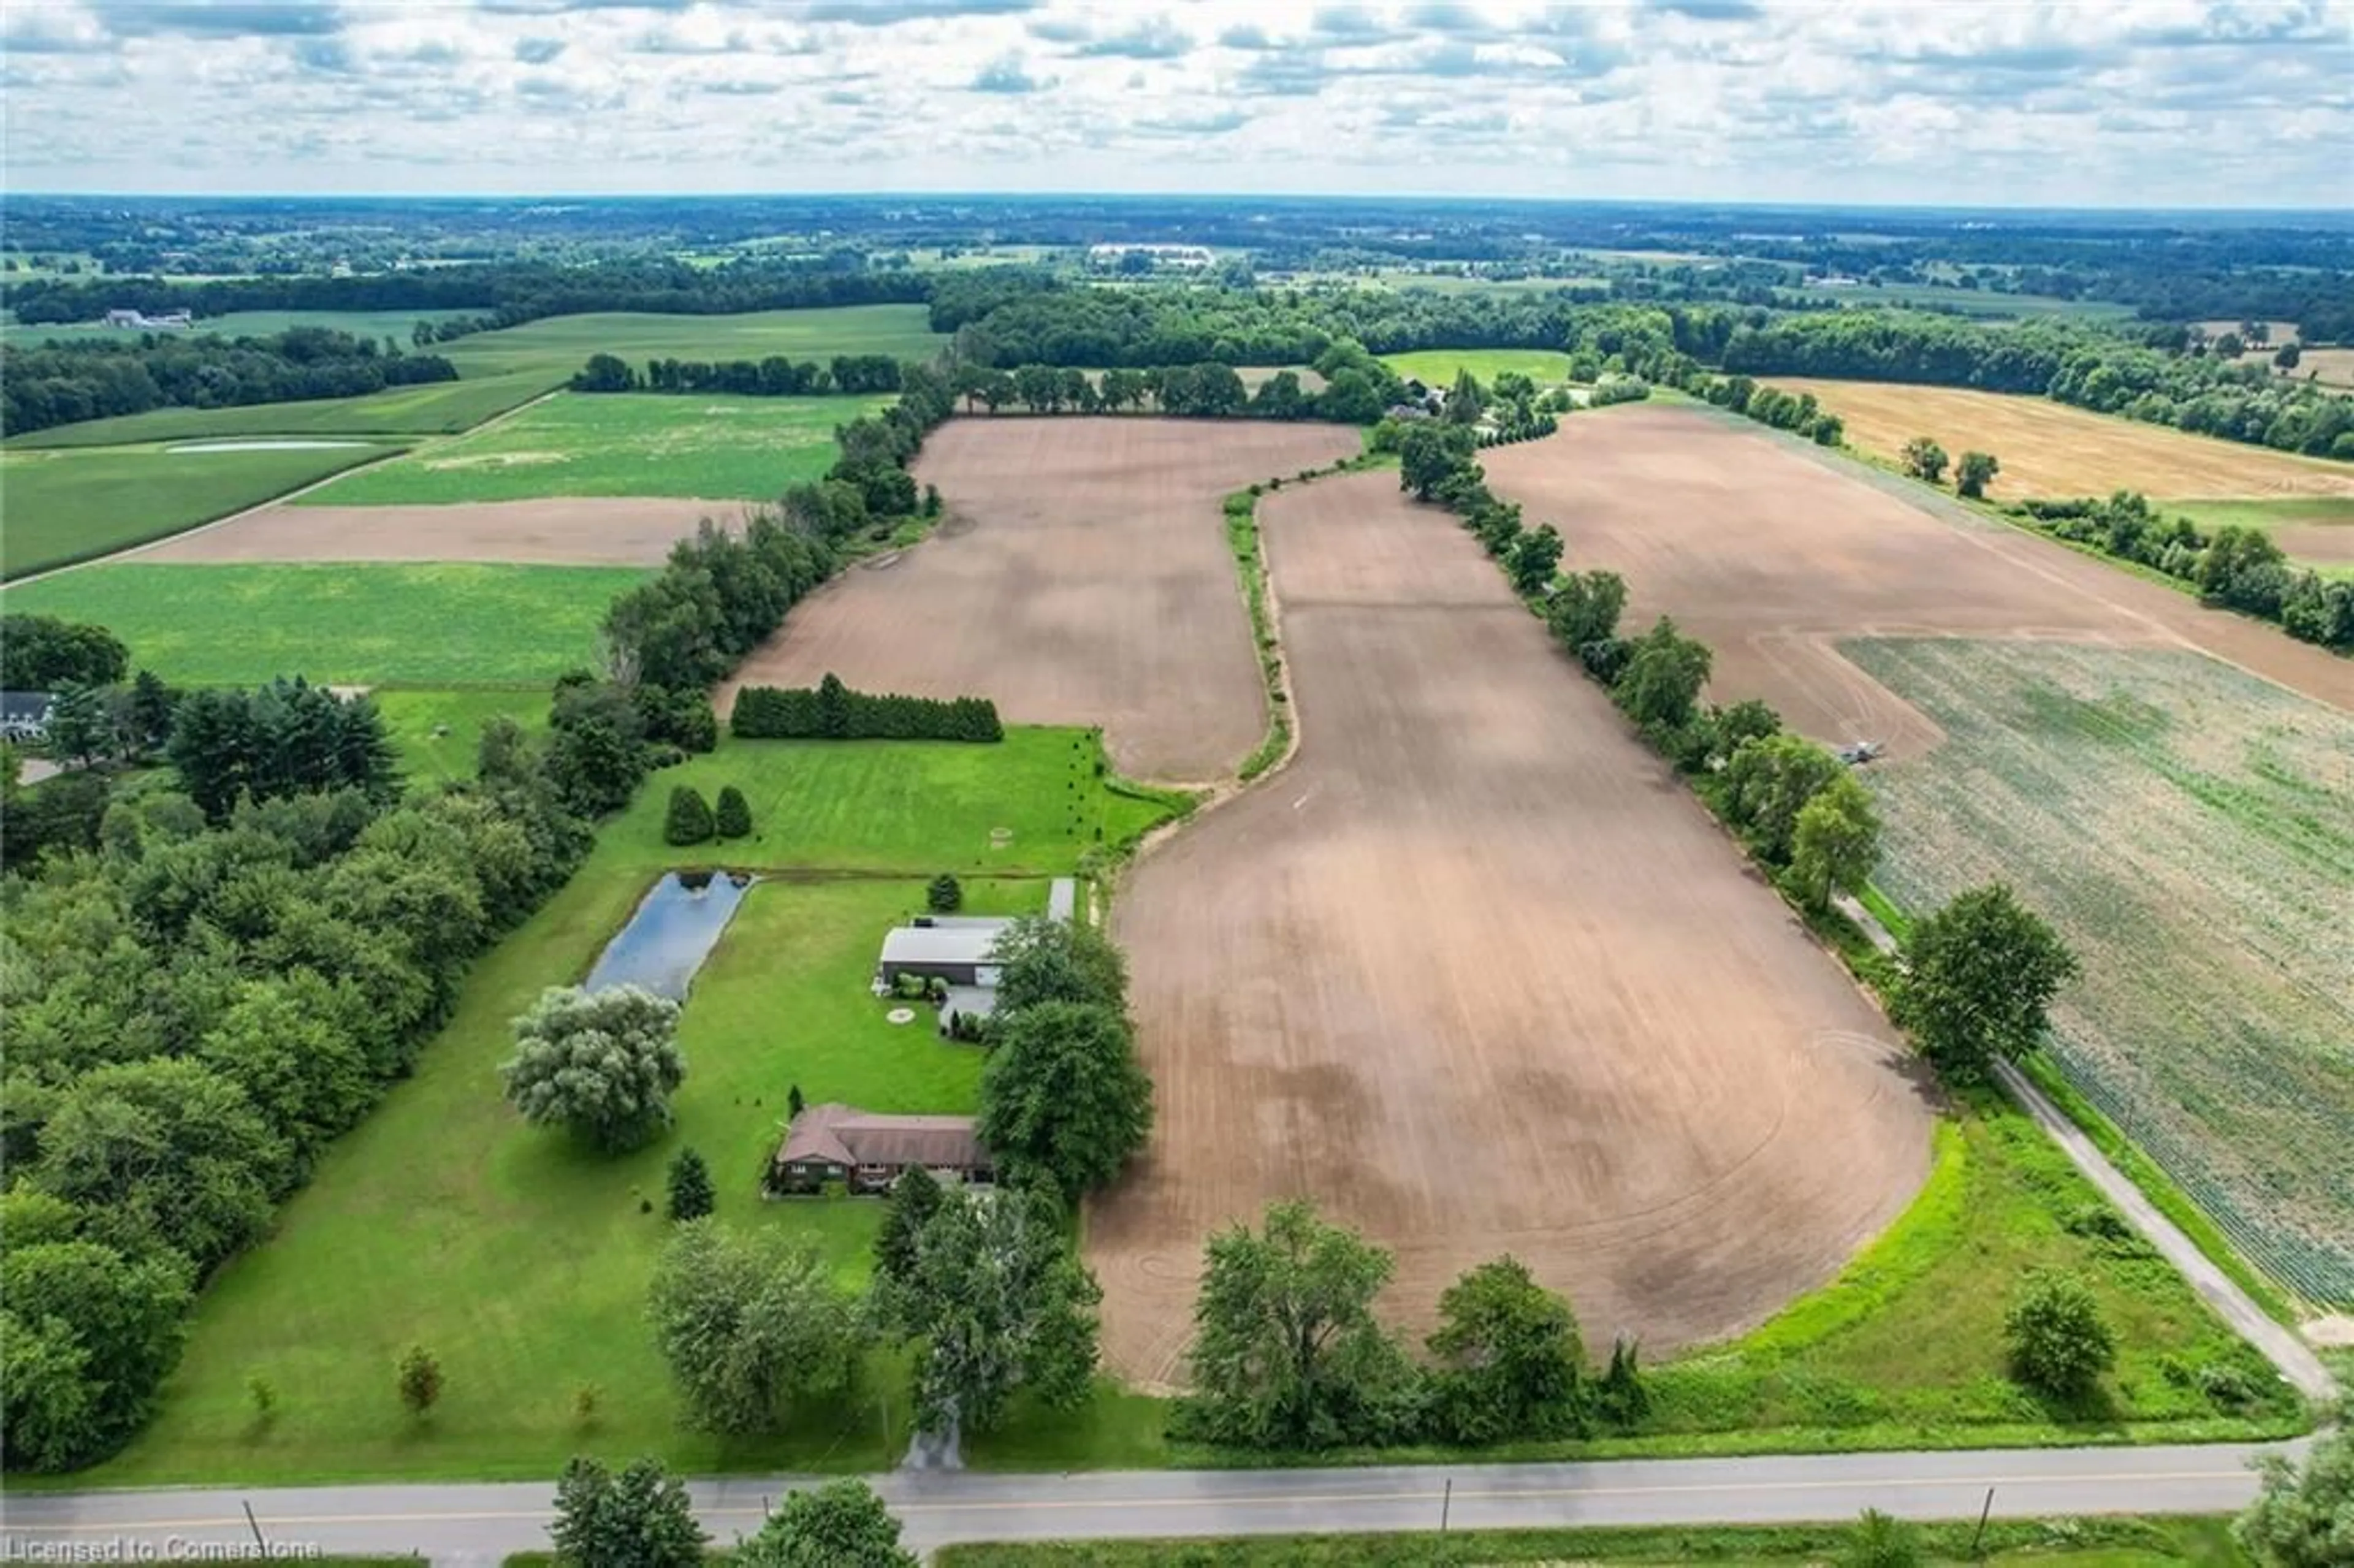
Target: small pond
x=263 y=446
x=675 y=929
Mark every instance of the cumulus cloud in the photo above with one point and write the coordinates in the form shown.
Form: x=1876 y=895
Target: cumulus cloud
x=2237 y=102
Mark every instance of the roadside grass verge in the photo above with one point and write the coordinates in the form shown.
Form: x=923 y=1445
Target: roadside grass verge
x=434 y=408
x=2100 y=1542
x=523 y=1259
x=441 y=624
x=716 y=448
x=64 y=506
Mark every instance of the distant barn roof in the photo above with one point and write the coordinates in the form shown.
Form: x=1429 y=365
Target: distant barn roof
x=24 y=706
x=845 y=1135
x=960 y=944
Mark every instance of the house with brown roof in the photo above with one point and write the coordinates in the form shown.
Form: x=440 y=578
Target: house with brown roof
x=866 y=1151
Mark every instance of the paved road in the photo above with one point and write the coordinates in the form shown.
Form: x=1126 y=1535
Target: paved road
x=479 y=1523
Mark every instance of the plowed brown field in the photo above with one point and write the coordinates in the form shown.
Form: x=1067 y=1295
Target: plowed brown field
x=1769 y=554
x=1082 y=577
x=1476 y=973
x=571 y=532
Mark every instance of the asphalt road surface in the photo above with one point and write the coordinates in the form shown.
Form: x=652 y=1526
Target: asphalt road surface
x=482 y=1523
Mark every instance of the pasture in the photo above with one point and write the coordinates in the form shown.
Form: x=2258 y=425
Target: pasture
x=1081 y=577
x=1435 y=974
x=1770 y=551
x=2049 y=449
x=439 y=408
x=61 y=506
x=2215 y=1019
x=557 y=346
x=413 y=715
x=450 y=624
x=2317 y=532
x=715 y=449
x=1439 y=366
x=524 y=1259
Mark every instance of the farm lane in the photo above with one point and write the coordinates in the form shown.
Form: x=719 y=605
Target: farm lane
x=460 y=1522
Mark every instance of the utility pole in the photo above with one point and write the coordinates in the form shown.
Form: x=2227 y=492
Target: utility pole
x=254 y=1525
x=1445 y=1504
x=1979 y=1534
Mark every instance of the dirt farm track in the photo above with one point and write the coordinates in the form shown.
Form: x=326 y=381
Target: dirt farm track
x=1082 y=577
x=1478 y=974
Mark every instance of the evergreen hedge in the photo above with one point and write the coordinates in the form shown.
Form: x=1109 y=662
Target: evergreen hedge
x=832 y=710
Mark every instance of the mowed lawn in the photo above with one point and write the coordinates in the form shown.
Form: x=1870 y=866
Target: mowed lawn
x=2049 y=449
x=523 y=1259
x=436 y=409
x=443 y=624
x=439 y=733
x=715 y=449
x=561 y=344
x=57 y=507
x=1439 y=366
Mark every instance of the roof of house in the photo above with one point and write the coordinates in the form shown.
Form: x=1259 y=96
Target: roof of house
x=845 y=1135
x=959 y=944
x=26 y=706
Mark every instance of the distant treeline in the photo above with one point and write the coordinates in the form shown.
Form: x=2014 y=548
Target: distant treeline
x=832 y=710
x=2240 y=569
x=62 y=384
x=775 y=376
x=509 y=292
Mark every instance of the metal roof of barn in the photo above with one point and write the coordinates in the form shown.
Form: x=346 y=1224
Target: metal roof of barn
x=942 y=943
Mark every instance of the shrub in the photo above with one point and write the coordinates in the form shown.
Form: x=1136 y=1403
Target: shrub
x=734 y=816
x=691 y=1193
x=2057 y=1339
x=690 y=820
x=420 y=1379
x=946 y=895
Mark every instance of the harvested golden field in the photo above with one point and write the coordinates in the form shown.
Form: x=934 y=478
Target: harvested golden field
x=574 y=531
x=1082 y=577
x=1476 y=973
x=2049 y=449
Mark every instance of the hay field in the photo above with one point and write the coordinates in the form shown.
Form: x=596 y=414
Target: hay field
x=1442 y=973
x=1770 y=553
x=715 y=449
x=2191 y=830
x=1081 y=577
x=2049 y=449
x=436 y=409
x=1439 y=366
x=557 y=346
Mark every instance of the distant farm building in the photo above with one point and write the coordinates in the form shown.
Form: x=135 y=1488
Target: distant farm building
x=867 y=1152
x=1186 y=256
x=25 y=716
x=137 y=320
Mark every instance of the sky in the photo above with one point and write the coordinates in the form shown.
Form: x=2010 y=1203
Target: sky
x=2147 y=103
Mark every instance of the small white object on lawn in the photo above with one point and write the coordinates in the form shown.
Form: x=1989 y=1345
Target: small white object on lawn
x=901 y=1015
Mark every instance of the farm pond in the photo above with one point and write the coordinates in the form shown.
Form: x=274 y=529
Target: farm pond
x=674 y=929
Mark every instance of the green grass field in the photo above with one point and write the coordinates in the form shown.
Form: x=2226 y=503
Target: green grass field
x=561 y=344
x=2103 y=1541
x=1439 y=366
x=523 y=1259
x=57 y=507
x=444 y=624
x=716 y=448
x=2331 y=512
x=442 y=408
x=412 y=715
x=2190 y=830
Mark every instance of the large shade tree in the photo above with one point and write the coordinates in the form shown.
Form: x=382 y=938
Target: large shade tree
x=603 y=1062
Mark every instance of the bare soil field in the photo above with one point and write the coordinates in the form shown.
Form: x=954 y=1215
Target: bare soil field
x=1082 y=577
x=2049 y=449
x=1476 y=974
x=566 y=531
x=1769 y=554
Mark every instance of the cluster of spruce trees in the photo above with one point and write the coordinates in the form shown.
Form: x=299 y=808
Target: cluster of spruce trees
x=832 y=710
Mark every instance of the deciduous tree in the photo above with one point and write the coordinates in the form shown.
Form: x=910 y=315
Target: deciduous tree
x=1836 y=841
x=601 y=1063
x=1981 y=974
x=641 y=1518
x=1534 y=556
x=841 y=1524
x=1063 y=1095
x=1511 y=1359
x=2304 y=1518
x=420 y=1380
x=1924 y=460
x=915 y=1198
x=1768 y=782
x=1042 y=959
x=1585 y=608
x=1664 y=673
x=86 y=1335
x=2058 y=1340
x=1974 y=473
x=751 y=1331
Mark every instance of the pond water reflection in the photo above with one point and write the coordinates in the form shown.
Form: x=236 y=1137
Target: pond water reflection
x=675 y=929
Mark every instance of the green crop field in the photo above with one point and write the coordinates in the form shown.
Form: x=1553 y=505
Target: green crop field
x=394 y=324
x=1439 y=366
x=2190 y=830
x=715 y=449
x=441 y=408
x=445 y=624
x=2302 y=517
x=523 y=1259
x=62 y=506
x=561 y=344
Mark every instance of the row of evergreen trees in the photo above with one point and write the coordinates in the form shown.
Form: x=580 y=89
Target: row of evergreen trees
x=832 y=710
